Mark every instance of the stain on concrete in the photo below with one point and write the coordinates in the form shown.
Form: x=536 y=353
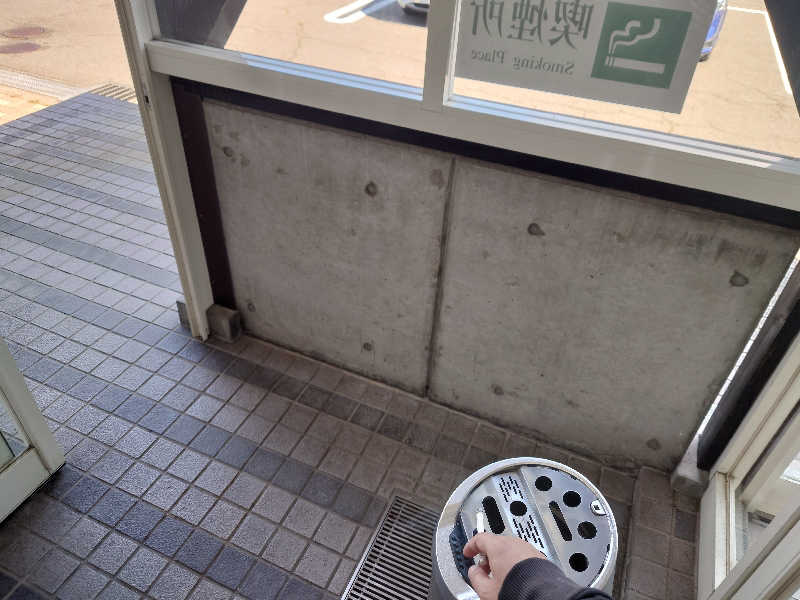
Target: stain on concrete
x=244 y=160
x=251 y=307
x=25 y=32
x=437 y=178
x=228 y=151
x=739 y=280
x=280 y=171
x=653 y=444
x=371 y=189
x=367 y=346
x=534 y=229
x=19 y=48
x=497 y=390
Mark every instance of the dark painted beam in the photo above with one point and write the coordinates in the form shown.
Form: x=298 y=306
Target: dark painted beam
x=785 y=17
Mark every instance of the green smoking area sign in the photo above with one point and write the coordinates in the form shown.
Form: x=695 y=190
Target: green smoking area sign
x=639 y=53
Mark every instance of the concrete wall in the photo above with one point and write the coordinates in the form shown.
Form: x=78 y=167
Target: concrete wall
x=599 y=320
x=333 y=239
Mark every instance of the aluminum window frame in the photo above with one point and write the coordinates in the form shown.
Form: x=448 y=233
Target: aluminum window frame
x=751 y=461
x=747 y=174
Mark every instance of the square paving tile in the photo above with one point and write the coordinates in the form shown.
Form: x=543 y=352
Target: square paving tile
x=222 y=519
x=198 y=551
x=244 y=490
x=175 y=583
x=188 y=465
x=112 y=506
x=165 y=491
x=84 y=584
x=83 y=537
x=304 y=517
x=253 y=533
x=139 y=521
x=317 y=565
x=230 y=567
x=194 y=505
x=168 y=536
x=112 y=553
x=264 y=582
x=209 y=440
x=274 y=503
x=142 y=569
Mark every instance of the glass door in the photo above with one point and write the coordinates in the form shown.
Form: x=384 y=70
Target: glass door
x=29 y=453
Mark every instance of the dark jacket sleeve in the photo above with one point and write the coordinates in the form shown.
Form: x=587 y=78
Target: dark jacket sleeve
x=539 y=579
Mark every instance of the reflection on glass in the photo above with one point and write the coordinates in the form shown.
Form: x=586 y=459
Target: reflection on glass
x=383 y=39
x=12 y=441
x=739 y=96
x=753 y=519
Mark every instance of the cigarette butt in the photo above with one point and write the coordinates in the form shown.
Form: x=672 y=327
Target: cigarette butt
x=481 y=528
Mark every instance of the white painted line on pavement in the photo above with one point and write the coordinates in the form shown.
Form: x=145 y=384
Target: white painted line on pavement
x=775 y=48
x=748 y=10
x=350 y=13
x=781 y=67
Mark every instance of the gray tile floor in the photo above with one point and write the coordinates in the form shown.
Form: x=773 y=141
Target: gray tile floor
x=194 y=470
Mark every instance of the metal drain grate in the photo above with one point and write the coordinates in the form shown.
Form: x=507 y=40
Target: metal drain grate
x=397 y=563
x=112 y=90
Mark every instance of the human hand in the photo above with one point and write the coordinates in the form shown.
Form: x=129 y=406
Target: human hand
x=502 y=552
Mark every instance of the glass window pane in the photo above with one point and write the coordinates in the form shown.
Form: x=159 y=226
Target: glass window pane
x=12 y=439
x=739 y=94
x=383 y=39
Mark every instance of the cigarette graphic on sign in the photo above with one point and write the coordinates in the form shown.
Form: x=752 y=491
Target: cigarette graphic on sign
x=619 y=40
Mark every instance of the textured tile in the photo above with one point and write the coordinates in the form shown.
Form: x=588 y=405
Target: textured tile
x=264 y=464
x=135 y=442
x=139 y=521
x=322 y=489
x=304 y=517
x=284 y=548
x=84 y=494
x=204 y=408
x=317 y=565
x=84 y=584
x=168 y=536
x=112 y=553
x=175 y=583
x=338 y=463
x=236 y=451
x=23 y=553
x=83 y=537
x=340 y=407
x=264 y=582
x=274 y=503
x=198 y=551
x=216 y=477
x=142 y=569
x=110 y=430
x=165 y=492
x=253 y=533
x=208 y=590
x=110 y=398
x=161 y=453
x=222 y=519
x=229 y=418
x=117 y=591
x=244 y=490
x=134 y=408
x=86 y=419
x=341 y=577
x=272 y=407
x=352 y=502
x=230 y=567
x=188 y=465
x=297 y=589
x=111 y=467
x=335 y=532
x=184 y=429
x=180 y=397
x=112 y=506
x=194 y=505
x=53 y=570
x=292 y=476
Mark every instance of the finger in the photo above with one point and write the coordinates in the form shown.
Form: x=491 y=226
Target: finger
x=479 y=544
x=480 y=582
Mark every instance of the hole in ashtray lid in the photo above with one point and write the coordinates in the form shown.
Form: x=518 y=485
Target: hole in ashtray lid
x=518 y=508
x=493 y=515
x=578 y=562
x=587 y=530
x=543 y=483
x=572 y=499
